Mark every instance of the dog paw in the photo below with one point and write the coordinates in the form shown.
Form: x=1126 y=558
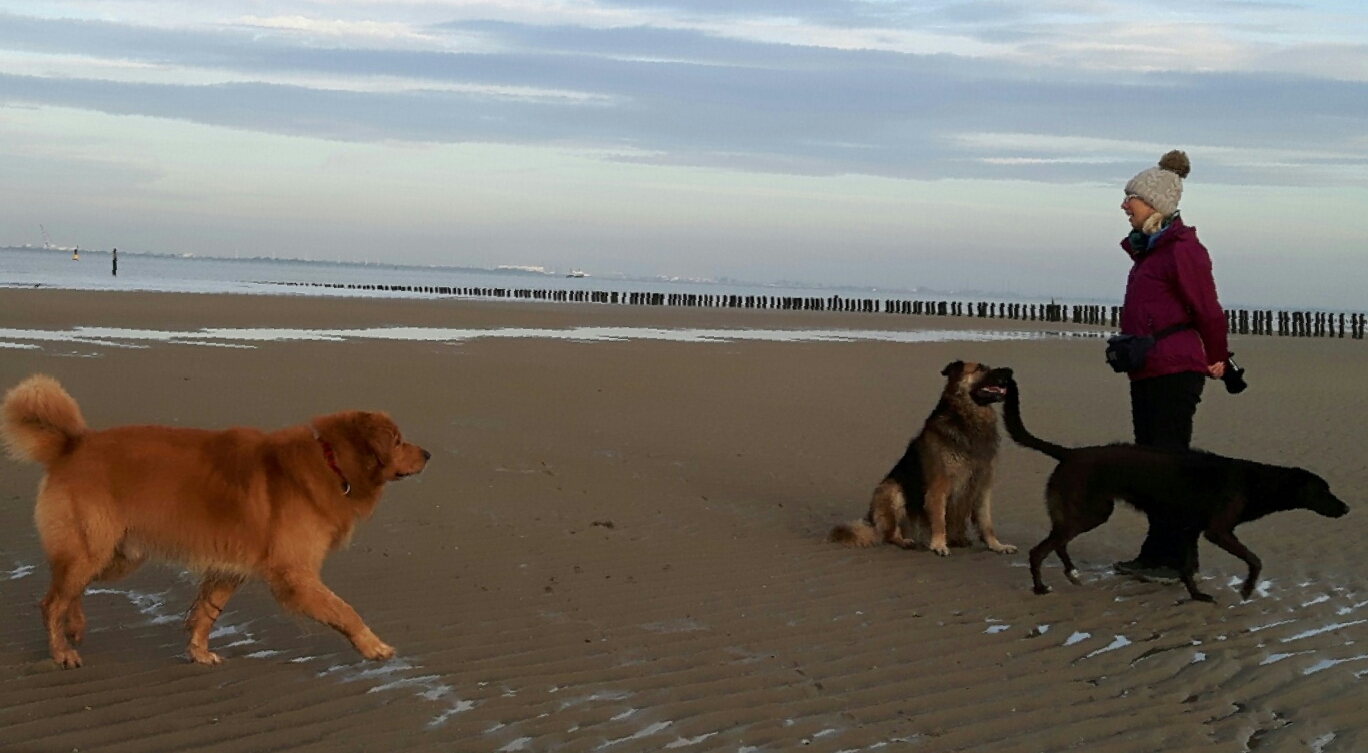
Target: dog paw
x=203 y=656
x=1041 y=590
x=378 y=651
x=1204 y=598
x=67 y=659
x=1072 y=575
x=940 y=549
x=1001 y=548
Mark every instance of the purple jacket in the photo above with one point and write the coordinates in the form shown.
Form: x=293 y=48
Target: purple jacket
x=1168 y=284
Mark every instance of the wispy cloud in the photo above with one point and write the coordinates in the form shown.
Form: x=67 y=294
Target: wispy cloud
x=704 y=88
x=339 y=30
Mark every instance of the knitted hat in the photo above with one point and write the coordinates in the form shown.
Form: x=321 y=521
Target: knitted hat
x=1161 y=187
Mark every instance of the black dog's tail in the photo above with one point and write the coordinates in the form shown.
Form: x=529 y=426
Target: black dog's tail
x=1011 y=415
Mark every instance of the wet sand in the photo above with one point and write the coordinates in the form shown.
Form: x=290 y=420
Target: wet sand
x=619 y=546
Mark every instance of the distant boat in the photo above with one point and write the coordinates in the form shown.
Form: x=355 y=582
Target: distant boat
x=76 y=254
x=576 y=273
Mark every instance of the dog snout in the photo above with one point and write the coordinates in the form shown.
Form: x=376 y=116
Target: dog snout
x=426 y=455
x=1332 y=507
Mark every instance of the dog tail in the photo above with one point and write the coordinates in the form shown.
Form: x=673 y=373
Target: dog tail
x=1011 y=415
x=39 y=422
x=854 y=533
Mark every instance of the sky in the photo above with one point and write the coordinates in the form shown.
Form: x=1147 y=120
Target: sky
x=974 y=146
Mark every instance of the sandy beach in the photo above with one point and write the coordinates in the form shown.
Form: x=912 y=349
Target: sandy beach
x=619 y=545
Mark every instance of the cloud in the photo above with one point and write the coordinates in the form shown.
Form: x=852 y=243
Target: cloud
x=338 y=29
x=1053 y=91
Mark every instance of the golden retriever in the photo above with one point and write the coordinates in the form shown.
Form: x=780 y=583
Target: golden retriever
x=232 y=504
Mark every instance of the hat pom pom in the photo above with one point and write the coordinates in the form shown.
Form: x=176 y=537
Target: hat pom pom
x=1176 y=162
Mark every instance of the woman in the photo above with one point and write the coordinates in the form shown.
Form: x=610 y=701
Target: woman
x=1170 y=284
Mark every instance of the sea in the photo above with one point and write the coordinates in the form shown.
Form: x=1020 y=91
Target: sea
x=93 y=270
x=47 y=268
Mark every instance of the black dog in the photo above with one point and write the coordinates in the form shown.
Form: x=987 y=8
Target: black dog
x=1192 y=491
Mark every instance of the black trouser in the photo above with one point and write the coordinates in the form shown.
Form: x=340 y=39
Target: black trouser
x=1161 y=410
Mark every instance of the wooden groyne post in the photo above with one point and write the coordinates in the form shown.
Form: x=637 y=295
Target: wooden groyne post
x=1266 y=322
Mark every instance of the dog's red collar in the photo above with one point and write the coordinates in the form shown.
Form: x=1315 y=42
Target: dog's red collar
x=332 y=461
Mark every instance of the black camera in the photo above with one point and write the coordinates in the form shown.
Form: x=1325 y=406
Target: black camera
x=1234 y=376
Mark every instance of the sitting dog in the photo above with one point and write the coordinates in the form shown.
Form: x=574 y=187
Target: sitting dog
x=943 y=480
x=232 y=504
x=1197 y=493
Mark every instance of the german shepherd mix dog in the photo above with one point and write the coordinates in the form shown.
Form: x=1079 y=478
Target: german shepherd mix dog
x=1198 y=493
x=943 y=480
x=231 y=504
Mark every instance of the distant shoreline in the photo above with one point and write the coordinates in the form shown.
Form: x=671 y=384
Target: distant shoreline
x=521 y=271
x=275 y=276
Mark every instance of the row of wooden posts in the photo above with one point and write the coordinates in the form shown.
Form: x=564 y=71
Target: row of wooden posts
x=1243 y=322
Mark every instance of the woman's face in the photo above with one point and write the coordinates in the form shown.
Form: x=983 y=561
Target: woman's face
x=1137 y=210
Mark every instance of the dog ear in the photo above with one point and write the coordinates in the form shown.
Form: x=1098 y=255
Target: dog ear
x=369 y=436
x=381 y=436
x=952 y=368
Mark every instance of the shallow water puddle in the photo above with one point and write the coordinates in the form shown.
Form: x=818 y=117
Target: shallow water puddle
x=647 y=731
x=602 y=695
x=1077 y=638
x=151 y=605
x=1351 y=608
x=1277 y=657
x=1319 y=630
x=1328 y=663
x=428 y=687
x=1119 y=641
x=1269 y=625
x=1261 y=589
x=263 y=654
x=685 y=742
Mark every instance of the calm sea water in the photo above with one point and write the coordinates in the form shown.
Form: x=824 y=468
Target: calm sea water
x=138 y=272
x=141 y=272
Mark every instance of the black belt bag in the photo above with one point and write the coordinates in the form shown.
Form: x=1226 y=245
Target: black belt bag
x=1126 y=353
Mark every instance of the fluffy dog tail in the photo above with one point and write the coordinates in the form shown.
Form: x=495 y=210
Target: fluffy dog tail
x=1011 y=415
x=39 y=421
x=855 y=533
